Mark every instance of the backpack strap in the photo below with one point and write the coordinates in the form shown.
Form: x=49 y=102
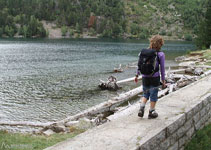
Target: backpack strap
x=156 y=68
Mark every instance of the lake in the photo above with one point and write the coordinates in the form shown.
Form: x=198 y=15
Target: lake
x=47 y=80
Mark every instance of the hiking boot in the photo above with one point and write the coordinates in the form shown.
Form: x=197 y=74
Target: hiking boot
x=152 y=114
x=141 y=112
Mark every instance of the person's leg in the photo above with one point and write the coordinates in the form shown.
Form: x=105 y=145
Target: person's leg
x=152 y=105
x=144 y=101
x=153 y=100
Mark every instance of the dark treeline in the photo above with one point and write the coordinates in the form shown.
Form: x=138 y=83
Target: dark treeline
x=24 y=16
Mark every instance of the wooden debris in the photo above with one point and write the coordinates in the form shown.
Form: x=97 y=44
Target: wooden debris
x=110 y=84
x=120 y=69
x=180 y=58
x=128 y=80
x=187 y=64
x=107 y=106
x=198 y=71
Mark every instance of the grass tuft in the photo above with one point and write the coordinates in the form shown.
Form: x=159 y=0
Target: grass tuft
x=17 y=141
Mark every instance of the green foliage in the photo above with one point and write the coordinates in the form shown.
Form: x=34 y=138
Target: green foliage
x=115 y=17
x=71 y=32
x=163 y=32
x=78 y=28
x=135 y=29
x=9 y=31
x=92 y=31
x=204 y=33
x=169 y=33
x=188 y=37
x=64 y=30
x=107 y=33
x=201 y=141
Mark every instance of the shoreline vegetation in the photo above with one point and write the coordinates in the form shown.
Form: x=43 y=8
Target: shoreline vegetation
x=38 y=141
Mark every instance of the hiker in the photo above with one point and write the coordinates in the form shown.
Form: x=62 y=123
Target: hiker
x=151 y=63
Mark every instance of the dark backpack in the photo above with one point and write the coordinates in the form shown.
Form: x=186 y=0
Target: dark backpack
x=147 y=61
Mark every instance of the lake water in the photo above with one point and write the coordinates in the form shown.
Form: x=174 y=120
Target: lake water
x=47 y=80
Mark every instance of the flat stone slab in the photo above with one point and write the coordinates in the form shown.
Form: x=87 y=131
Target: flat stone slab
x=128 y=131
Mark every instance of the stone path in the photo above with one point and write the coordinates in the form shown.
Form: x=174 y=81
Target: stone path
x=128 y=131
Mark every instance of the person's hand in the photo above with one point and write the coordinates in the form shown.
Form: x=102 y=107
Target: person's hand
x=163 y=85
x=136 y=80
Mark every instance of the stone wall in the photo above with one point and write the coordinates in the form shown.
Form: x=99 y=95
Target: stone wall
x=177 y=133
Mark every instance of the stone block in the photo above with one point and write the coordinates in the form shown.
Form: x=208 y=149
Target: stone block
x=209 y=99
x=207 y=108
x=198 y=125
x=197 y=108
x=196 y=118
x=173 y=138
x=165 y=144
x=189 y=114
x=156 y=140
x=205 y=102
x=182 y=141
x=181 y=132
x=188 y=125
x=205 y=118
x=209 y=113
x=190 y=133
x=175 y=125
x=203 y=112
x=174 y=147
x=144 y=146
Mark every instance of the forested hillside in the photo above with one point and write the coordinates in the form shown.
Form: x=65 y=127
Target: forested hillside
x=105 y=18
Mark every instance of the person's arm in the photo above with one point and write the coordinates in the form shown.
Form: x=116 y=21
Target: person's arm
x=136 y=76
x=162 y=69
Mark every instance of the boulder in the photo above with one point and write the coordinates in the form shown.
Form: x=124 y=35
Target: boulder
x=48 y=132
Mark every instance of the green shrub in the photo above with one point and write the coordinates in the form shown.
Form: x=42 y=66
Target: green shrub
x=188 y=37
x=71 y=32
x=64 y=30
x=9 y=31
x=163 y=32
x=169 y=33
x=92 y=31
x=201 y=141
x=179 y=36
